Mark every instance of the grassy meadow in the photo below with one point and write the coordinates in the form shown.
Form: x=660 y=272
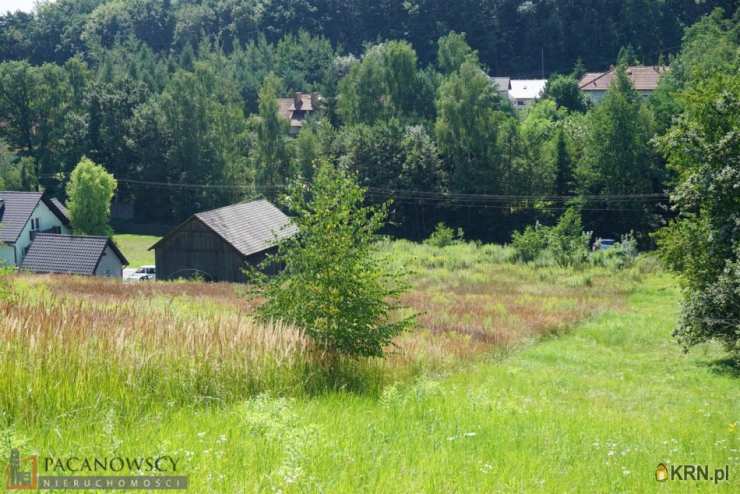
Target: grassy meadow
x=136 y=248
x=517 y=378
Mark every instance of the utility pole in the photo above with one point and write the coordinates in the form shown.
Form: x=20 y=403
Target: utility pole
x=542 y=61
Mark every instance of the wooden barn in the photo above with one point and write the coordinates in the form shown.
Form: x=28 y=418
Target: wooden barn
x=216 y=245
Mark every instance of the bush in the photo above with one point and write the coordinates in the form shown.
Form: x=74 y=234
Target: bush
x=713 y=313
x=334 y=285
x=530 y=243
x=567 y=241
x=565 y=244
x=443 y=235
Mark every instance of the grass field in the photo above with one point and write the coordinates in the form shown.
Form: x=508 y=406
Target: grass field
x=135 y=248
x=517 y=380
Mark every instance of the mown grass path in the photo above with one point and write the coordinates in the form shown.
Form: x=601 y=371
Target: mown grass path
x=594 y=410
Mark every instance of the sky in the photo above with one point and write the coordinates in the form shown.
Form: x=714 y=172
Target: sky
x=13 y=5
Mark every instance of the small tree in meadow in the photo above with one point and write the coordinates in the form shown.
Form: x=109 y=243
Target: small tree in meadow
x=334 y=285
x=89 y=191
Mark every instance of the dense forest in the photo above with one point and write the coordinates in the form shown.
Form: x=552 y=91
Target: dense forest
x=178 y=99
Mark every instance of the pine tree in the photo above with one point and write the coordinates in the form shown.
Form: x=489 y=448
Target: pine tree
x=563 y=166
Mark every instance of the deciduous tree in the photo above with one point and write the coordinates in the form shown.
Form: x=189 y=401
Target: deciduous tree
x=334 y=285
x=89 y=194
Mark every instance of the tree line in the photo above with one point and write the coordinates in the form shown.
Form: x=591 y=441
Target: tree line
x=512 y=36
x=187 y=126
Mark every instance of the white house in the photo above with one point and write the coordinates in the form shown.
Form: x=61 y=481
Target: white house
x=22 y=216
x=524 y=92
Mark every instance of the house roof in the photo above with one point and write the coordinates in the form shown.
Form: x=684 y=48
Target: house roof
x=304 y=102
x=527 y=88
x=503 y=84
x=249 y=227
x=70 y=254
x=644 y=78
x=61 y=207
x=17 y=209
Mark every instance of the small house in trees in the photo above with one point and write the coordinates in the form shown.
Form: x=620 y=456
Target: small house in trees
x=502 y=85
x=86 y=255
x=296 y=109
x=23 y=215
x=524 y=92
x=217 y=245
x=644 y=79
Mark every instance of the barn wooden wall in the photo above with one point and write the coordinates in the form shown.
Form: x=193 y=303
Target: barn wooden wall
x=195 y=247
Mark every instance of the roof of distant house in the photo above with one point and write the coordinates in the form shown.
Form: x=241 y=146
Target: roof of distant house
x=295 y=109
x=68 y=254
x=249 y=227
x=527 y=88
x=503 y=84
x=643 y=77
x=16 y=210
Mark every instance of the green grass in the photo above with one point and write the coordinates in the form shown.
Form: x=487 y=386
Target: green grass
x=593 y=410
x=135 y=248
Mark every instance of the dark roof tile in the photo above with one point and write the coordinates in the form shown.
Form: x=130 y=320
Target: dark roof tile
x=250 y=227
x=71 y=254
x=18 y=207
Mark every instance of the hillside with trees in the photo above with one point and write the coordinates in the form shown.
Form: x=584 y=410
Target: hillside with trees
x=177 y=100
x=439 y=246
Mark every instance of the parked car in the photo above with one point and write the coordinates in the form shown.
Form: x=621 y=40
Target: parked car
x=605 y=243
x=142 y=273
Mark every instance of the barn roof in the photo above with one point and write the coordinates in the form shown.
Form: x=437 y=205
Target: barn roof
x=70 y=254
x=16 y=210
x=249 y=227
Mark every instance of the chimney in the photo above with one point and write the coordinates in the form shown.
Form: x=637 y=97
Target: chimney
x=298 y=101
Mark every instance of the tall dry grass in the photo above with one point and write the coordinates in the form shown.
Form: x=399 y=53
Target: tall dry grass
x=69 y=345
x=59 y=355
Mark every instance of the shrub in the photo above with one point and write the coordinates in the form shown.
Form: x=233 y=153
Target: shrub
x=567 y=241
x=565 y=244
x=530 y=243
x=334 y=285
x=712 y=313
x=443 y=235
